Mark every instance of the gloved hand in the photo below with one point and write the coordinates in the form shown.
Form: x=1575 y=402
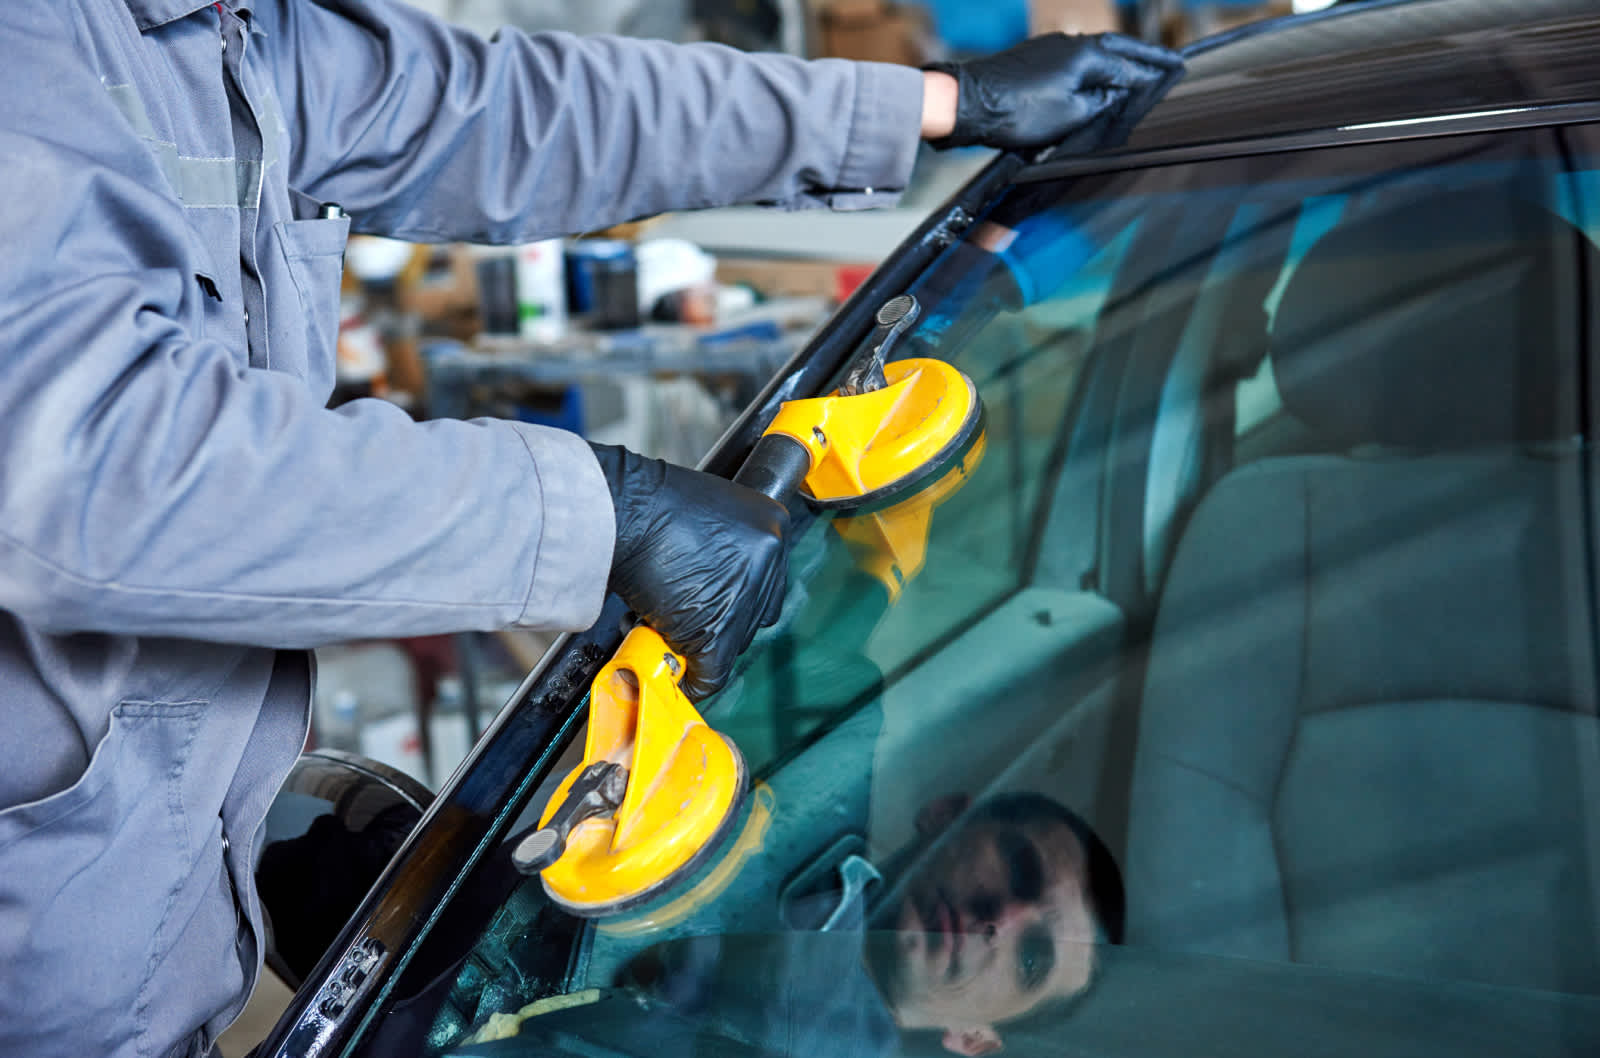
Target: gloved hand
x=699 y=559
x=1052 y=86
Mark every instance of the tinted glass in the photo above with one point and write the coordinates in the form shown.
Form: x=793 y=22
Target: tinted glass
x=1245 y=696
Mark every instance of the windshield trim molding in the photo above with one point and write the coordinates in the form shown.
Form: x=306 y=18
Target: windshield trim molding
x=1420 y=128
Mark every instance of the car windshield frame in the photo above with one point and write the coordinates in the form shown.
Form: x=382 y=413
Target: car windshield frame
x=527 y=738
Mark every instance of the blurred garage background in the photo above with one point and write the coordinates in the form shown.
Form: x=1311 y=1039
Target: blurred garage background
x=652 y=335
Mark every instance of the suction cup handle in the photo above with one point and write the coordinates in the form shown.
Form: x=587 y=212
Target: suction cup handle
x=776 y=467
x=897 y=316
x=597 y=792
x=778 y=464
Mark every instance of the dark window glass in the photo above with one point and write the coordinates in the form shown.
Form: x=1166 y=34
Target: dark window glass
x=1244 y=700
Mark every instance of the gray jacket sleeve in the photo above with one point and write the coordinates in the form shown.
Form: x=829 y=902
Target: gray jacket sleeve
x=151 y=483
x=428 y=132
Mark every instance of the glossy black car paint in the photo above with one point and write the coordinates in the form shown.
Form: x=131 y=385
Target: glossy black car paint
x=331 y=802
x=1352 y=74
x=1380 y=63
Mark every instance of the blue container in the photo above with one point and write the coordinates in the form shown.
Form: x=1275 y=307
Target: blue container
x=588 y=262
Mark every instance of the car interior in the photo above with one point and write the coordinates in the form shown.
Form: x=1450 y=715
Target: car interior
x=1279 y=569
x=1356 y=738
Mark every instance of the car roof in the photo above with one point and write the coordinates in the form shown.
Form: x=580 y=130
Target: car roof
x=1379 y=62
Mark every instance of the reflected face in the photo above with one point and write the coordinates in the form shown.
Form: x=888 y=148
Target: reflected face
x=996 y=922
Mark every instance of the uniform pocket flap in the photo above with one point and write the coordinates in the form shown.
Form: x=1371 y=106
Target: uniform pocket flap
x=323 y=237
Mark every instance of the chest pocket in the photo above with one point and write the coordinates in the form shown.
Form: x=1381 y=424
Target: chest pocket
x=305 y=343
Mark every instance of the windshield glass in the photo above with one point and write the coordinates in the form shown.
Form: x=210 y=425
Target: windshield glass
x=1243 y=694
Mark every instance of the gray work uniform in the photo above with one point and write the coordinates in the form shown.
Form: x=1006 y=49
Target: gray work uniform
x=180 y=516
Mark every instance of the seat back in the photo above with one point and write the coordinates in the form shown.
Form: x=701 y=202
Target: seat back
x=1368 y=734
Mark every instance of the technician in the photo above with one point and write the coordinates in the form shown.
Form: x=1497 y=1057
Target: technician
x=181 y=517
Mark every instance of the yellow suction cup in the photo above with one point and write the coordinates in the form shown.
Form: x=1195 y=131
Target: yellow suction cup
x=887 y=429
x=657 y=788
x=656 y=791
x=869 y=447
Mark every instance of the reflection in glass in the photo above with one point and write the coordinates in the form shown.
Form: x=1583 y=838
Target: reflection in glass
x=1324 y=699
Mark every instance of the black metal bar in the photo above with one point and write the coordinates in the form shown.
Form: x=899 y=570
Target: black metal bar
x=776 y=467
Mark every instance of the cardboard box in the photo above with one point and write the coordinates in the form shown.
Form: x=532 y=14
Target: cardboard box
x=875 y=31
x=881 y=31
x=779 y=278
x=1073 y=16
x=440 y=281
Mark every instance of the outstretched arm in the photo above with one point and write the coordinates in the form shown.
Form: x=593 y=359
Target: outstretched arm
x=425 y=131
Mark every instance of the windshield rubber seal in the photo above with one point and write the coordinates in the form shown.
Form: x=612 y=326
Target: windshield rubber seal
x=1420 y=128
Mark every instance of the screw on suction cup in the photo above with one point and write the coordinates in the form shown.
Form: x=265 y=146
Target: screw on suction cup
x=597 y=792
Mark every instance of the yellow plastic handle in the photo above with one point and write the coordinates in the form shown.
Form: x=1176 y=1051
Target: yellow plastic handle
x=684 y=782
x=643 y=669
x=865 y=443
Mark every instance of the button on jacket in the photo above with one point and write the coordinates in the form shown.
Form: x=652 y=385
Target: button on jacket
x=180 y=516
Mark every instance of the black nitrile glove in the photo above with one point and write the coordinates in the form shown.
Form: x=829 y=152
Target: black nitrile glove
x=1052 y=86
x=699 y=559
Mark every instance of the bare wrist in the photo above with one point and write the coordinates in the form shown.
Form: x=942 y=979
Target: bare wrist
x=940 y=93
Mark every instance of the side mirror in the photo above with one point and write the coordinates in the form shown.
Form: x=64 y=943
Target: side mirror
x=332 y=829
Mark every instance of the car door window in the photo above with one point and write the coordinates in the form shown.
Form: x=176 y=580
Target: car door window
x=1115 y=813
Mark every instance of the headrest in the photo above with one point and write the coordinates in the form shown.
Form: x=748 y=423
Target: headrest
x=1446 y=321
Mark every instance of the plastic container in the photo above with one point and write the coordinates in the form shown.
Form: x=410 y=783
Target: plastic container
x=616 y=295
x=497 y=292
x=541 y=291
x=603 y=283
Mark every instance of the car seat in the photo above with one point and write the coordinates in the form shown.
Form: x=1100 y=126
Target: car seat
x=1368 y=734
